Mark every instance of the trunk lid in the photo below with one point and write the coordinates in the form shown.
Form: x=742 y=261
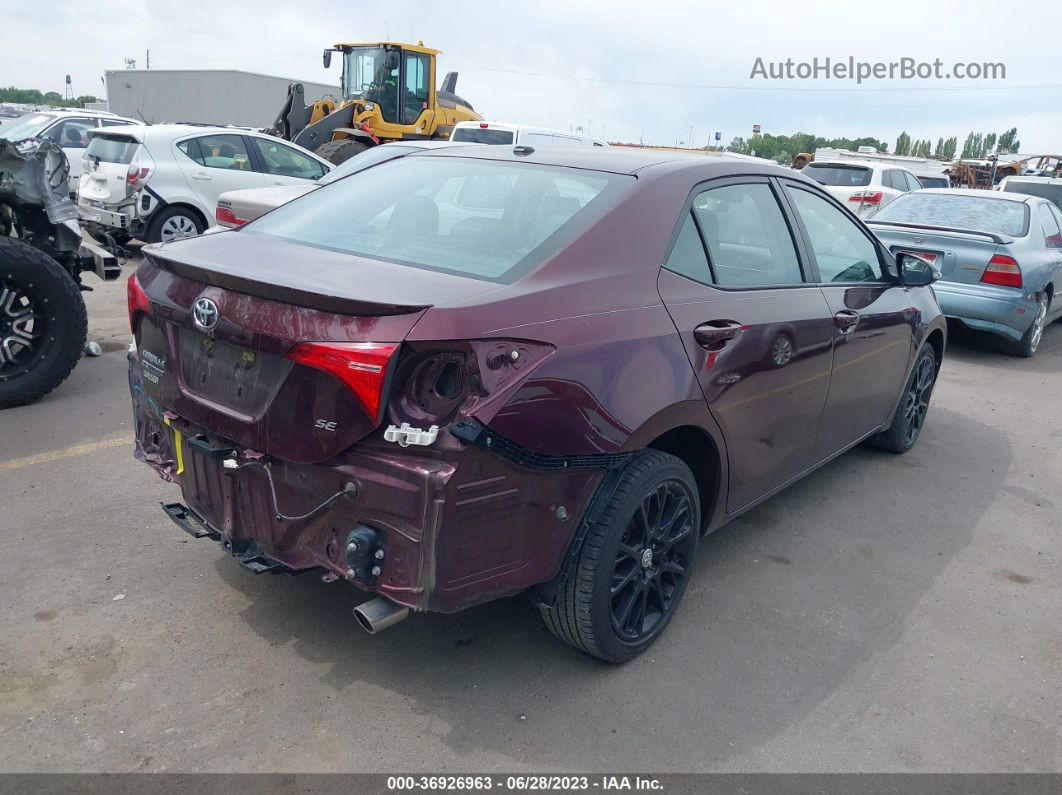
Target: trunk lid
x=238 y=381
x=960 y=256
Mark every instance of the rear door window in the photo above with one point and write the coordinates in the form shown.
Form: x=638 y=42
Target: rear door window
x=71 y=133
x=912 y=181
x=843 y=252
x=1052 y=234
x=218 y=151
x=748 y=240
x=284 y=161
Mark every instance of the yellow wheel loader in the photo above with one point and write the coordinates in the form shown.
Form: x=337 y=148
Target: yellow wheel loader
x=388 y=94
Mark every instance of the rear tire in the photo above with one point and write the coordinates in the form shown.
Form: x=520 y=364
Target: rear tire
x=336 y=152
x=1030 y=342
x=174 y=223
x=910 y=415
x=619 y=594
x=43 y=323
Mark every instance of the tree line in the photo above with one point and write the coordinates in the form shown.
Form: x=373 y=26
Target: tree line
x=782 y=148
x=976 y=146
x=32 y=96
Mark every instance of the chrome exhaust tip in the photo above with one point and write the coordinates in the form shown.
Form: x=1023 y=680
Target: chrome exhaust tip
x=378 y=614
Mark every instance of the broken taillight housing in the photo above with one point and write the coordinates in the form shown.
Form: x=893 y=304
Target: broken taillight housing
x=139 y=170
x=1002 y=271
x=436 y=381
x=137 y=301
x=364 y=367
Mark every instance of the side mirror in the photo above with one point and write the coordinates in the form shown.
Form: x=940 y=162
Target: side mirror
x=393 y=60
x=916 y=271
x=327 y=58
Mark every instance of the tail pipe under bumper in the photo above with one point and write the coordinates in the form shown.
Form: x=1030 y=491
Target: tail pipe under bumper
x=379 y=614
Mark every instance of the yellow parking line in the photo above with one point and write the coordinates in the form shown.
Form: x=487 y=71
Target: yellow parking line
x=66 y=452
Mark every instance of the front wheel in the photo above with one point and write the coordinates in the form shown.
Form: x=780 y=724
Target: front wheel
x=910 y=415
x=336 y=152
x=43 y=323
x=620 y=593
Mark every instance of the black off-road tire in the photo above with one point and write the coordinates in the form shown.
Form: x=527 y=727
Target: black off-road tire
x=340 y=151
x=64 y=322
x=897 y=438
x=582 y=615
x=182 y=215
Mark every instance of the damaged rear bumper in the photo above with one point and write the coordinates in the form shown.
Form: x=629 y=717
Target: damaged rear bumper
x=436 y=528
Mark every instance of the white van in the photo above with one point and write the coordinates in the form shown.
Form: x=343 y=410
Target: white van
x=499 y=133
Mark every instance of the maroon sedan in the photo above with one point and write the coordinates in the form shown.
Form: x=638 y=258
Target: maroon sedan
x=465 y=374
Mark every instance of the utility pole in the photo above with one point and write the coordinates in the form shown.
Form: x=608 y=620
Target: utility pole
x=147 y=54
x=689 y=138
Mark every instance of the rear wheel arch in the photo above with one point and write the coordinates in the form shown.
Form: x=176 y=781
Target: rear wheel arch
x=696 y=449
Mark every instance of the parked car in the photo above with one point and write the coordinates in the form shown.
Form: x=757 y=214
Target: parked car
x=162 y=182
x=1000 y=256
x=933 y=180
x=1049 y=188
x=465 y=374
x=68 y=128
x=501 y=133
x=237 y=207
x=865 y=186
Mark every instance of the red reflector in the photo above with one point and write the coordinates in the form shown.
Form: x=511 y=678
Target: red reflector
x=868 y=196
x=483 y=125
x=1003 y=271
x=362 y=366
x=225 y=215
x=137 y=300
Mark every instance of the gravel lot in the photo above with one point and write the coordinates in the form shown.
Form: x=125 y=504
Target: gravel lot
x=886 y=614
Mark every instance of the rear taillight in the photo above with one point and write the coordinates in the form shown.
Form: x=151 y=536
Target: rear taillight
x=137 y=300
x=225 y=215
x=363 y=367
x=866 y=196
x=136 y=175
x=1003 y=271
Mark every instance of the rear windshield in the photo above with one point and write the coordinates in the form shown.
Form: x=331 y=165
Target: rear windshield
x=1045 y=190
x=934 y=182
x=484 y=219
x=112 y=149
x=366 y=159
x=842 y=176
x=955 y=211
x=480 y=135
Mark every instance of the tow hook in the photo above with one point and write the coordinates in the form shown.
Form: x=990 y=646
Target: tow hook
x=365 y=555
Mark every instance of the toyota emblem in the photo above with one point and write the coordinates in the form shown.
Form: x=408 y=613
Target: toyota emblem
x=205 y=314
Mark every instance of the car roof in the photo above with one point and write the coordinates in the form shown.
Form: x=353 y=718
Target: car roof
x=857 y=163
x=170 y=131
x=980 y=193
x=617 y=160
x=1033 y=179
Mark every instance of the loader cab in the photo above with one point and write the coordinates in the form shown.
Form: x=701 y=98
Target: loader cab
x=398 y=78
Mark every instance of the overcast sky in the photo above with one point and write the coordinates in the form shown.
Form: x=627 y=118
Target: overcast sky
x=663 y=42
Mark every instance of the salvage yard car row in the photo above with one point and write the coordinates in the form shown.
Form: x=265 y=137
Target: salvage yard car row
x=618 y=352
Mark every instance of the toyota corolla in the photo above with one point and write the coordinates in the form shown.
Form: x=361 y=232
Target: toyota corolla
x=471 y=373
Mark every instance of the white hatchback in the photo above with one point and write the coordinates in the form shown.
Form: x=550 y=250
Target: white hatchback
x=161 y=182
x=68 y=128
x=864 y=185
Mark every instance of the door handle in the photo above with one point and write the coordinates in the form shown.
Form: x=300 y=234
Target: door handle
x=716 y=333
x=846 y=320
x=199 y=175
